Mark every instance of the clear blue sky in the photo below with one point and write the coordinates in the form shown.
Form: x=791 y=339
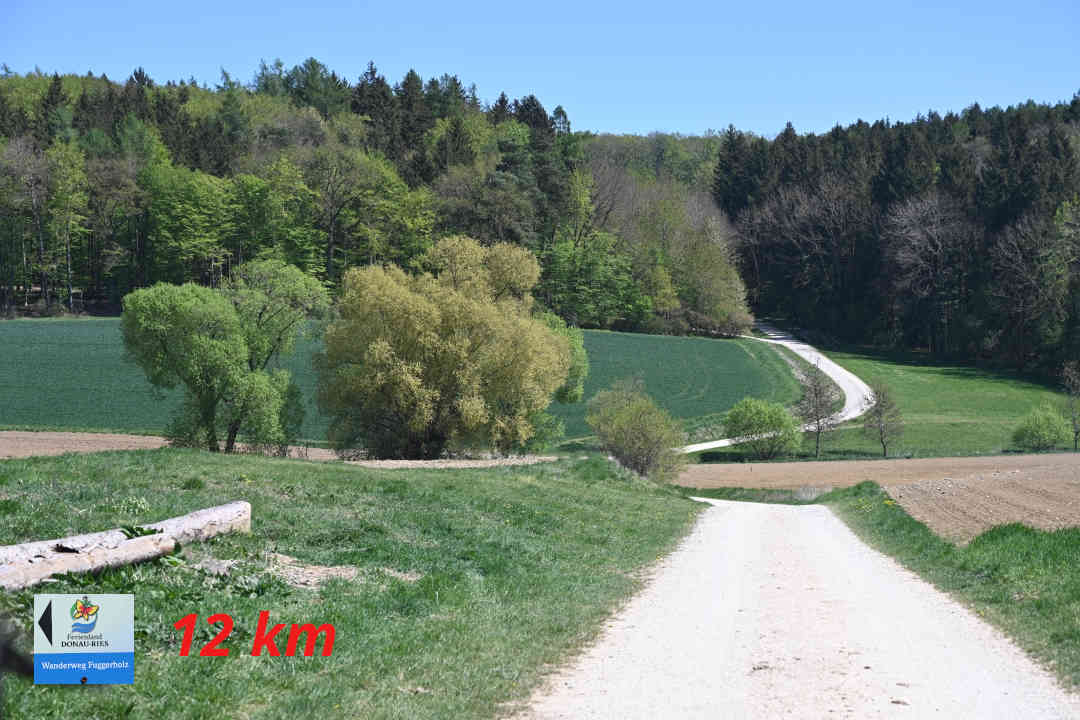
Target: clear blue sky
x=616 y=67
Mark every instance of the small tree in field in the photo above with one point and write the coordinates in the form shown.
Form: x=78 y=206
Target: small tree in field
x=767 y=428
x=1070 y=378
x=641 y=435
x=883 y=421
x=816 y=406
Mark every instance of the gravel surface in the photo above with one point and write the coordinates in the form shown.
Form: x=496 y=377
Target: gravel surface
x=856 y=392
x=769 y=611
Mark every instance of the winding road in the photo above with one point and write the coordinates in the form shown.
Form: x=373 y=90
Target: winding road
x=776 y=611
x=856 y=392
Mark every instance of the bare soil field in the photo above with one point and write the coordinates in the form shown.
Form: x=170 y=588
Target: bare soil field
x=20 y=444
x=958 y=498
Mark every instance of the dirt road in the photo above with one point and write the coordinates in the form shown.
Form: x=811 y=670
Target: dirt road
x=856 y=392
x=768 y=611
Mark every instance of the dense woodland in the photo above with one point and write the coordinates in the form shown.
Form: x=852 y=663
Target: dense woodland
x=954 y=234
x=108 y=187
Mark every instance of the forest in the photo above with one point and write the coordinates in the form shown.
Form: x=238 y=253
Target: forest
x=107 y=187
x=954 y=235
x=957 y=235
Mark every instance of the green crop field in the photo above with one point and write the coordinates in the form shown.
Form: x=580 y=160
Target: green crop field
x=693 y=378
x=73 y=375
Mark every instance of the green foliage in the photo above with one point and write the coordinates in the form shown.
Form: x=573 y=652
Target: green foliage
x=218 y=345
x=767 y=428
x=418 y=364
x=638 y=433
x=1043 y=428
x=573 y=389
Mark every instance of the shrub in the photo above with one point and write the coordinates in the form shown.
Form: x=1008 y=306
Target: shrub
x=639 y=434
x=767 y=428
x=1042 y=429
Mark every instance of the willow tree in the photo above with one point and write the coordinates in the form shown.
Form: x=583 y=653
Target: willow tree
x=417 y=364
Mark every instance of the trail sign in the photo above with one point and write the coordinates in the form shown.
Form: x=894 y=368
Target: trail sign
x=84 y=639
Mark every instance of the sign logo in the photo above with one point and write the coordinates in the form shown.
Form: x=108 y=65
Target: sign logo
x=84 y=610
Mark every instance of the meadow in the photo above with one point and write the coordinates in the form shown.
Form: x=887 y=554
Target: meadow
x=469 y=583
x=73 y=375
x=948 y=409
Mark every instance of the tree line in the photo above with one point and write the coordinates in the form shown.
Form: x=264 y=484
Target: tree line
x=108 y=187
x=955 y=234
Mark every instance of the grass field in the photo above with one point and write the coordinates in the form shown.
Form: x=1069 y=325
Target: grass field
x=72 y=375
x=1024 y=581
x=948 y=409
x=470 y=581
x=695 y=379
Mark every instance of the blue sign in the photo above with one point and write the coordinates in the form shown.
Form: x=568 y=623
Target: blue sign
x=84 y=639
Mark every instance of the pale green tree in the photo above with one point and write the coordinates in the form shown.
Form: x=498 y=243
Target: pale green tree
x=67 y=200
x=417 y=365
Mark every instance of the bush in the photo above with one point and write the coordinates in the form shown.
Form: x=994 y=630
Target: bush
x=639 y=434
x=767 y=428
x=1042 y=429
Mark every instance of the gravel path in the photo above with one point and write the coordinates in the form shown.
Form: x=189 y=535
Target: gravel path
x=770 y=611
x=856 y=392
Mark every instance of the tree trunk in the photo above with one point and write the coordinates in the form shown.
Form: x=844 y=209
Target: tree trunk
x=330 y=253
x=41 y=259
x=208 y=419
x=230 y=440
x=67 y=247
x=29 y=563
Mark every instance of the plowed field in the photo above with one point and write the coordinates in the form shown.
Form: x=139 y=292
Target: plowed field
x=958 y=498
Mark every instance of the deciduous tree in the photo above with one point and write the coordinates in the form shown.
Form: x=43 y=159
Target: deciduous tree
x=883 y=421
x=419 y=364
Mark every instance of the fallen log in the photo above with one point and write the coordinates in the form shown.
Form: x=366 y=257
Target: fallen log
x=29 y=563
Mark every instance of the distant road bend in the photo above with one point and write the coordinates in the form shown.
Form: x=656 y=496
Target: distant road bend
x=856 y=392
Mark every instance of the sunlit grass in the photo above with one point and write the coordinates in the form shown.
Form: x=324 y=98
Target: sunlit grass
x=511 y=569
